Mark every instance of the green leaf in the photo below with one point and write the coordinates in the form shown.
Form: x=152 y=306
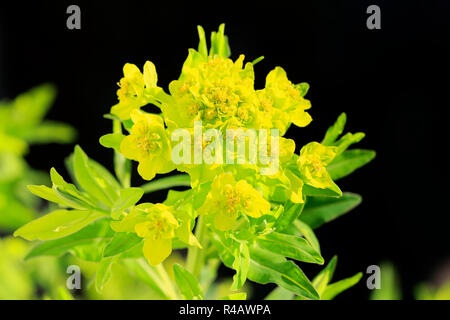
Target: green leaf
x=187 y=283
x=48 y=194
x=324 y=277
x=97 y=230
x=335 y=130
x=268 y=267
x=127 y=198
x=336 y=288
x=202 y=46
x=289 y=215
x=308 y=233
x=280 y=293
x=112 y=140
x=122 y=241
x=290 y=246
x=69 y=194
x=235 y=296
x=103 y=273
x=349 y=161
x=315 y=192
x=320 y=210
x=240 y=264
x=57 y=224
x=91 y=181
x=347 y=140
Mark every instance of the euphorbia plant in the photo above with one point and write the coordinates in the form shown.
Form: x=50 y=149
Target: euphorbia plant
x=254 y=207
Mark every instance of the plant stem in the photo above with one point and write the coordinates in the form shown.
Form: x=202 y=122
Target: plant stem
x=196 y=256
x=180 y=180
x=122 y=166
x=170 y=290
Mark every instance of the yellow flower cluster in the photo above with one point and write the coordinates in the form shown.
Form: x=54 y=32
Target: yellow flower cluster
x=220 y=93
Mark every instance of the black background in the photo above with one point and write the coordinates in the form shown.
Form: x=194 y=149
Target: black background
x=392 y=83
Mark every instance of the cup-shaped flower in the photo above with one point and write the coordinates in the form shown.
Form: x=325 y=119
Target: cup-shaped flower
x=228 y=199
x=312 y=162
x=148 y=144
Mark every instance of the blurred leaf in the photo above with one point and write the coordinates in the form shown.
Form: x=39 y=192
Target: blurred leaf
x=280 y=293
x=149 y=275
x=63 y=294
x=235 y=296
x=319 y=210
x=29 y=108
x=49 y=131
x=390 y=284
x=12 y=144
x=11 y=166
x=103 y=273
x=188 y=285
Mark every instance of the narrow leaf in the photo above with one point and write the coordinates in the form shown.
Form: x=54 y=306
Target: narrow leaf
x=320 y=210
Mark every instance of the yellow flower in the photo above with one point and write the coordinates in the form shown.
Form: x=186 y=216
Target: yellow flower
x=156 y=224
x=312 y=162
x=227 y=199
x=148 y=144
x=283 y=101
x=136 y=89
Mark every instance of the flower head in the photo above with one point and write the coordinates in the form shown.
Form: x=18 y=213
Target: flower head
x=228 y=199
x=155 y=223
x=148 y=144
x=136 y=89
x=283 y=102
x=215 y=90
x=312 y=162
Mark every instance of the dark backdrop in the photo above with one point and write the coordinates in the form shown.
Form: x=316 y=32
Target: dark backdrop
x=391 y=83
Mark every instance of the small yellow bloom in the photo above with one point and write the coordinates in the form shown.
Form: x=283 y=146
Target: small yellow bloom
x=156 y=224
x=228 y=199
x=287 y=98
x=312 y=162
x=135 y=89
x=148 y=144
